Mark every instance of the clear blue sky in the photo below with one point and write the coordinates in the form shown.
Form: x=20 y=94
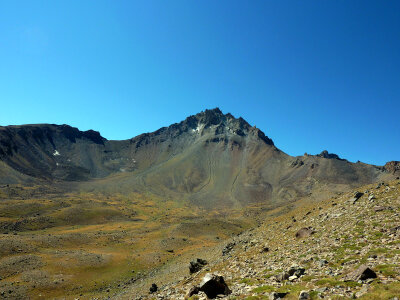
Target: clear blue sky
x=313 y=75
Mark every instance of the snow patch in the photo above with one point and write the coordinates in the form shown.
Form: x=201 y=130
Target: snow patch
x=198 y=128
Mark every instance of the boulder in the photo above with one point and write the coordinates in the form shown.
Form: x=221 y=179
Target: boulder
x=322 y=262
x=292 y=274
x=362 y=273
x=196 y=265
x=296 y=271
x=213 y=285
x=264 y=249
x=153 y=288
x=356 y=196
x=228 y=248
x=304 y=295
x=277 y=296
x=282 y=276
x=304 y=232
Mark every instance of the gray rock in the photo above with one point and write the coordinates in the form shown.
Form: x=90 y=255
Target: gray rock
x=304 y=232
x=362 y=292
x=264 y=249
x=362 y=273
x=356 y=196
x=153 y=288
x=304 y=295
x=296 y=270
x=277 y=296
x=196 y=265
x=228 y=248
x=292 y=278
x=322 y=290
x=282 y=277
x=322 y=262
x=192 y=291
x=213 y=285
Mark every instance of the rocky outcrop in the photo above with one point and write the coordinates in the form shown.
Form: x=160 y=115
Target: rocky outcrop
x=304 y=232
x=326 y=154
x=392 y=167
x=196 y=265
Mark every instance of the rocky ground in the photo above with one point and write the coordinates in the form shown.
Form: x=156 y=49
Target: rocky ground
x=345 y=247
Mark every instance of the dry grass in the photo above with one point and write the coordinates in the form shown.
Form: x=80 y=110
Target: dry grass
x=91 y=244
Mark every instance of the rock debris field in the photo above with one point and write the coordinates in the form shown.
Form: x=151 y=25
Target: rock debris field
x=344 y=247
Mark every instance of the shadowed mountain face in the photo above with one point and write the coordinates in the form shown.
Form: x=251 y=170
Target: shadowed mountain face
x=210 y=159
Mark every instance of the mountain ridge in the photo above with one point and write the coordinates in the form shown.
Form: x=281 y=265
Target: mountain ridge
x=209 y=158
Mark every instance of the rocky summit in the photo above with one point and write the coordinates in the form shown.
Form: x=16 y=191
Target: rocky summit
x=205 y=208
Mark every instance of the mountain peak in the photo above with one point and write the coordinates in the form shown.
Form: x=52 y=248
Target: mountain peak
x=224 y=124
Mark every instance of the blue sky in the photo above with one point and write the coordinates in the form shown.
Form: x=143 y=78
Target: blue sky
x=313 y=75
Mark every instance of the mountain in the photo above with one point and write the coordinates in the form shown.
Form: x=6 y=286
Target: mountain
x=210 y=159
x=83 y=216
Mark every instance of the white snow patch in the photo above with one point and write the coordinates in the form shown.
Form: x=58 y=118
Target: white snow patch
x=56 y=153
x=198 y=128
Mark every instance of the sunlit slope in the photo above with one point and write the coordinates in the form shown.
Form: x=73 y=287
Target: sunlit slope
x=210 y=159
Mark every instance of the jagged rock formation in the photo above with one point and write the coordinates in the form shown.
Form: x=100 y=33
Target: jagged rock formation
x=326 y=154
x=392 y=167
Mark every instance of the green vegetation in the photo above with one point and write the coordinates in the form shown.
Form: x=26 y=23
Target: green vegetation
x=264 y=289
x=383 y=291
x=332 y=282
x=388 y=270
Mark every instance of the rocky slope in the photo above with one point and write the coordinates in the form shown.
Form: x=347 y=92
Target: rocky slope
x=345 y=247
